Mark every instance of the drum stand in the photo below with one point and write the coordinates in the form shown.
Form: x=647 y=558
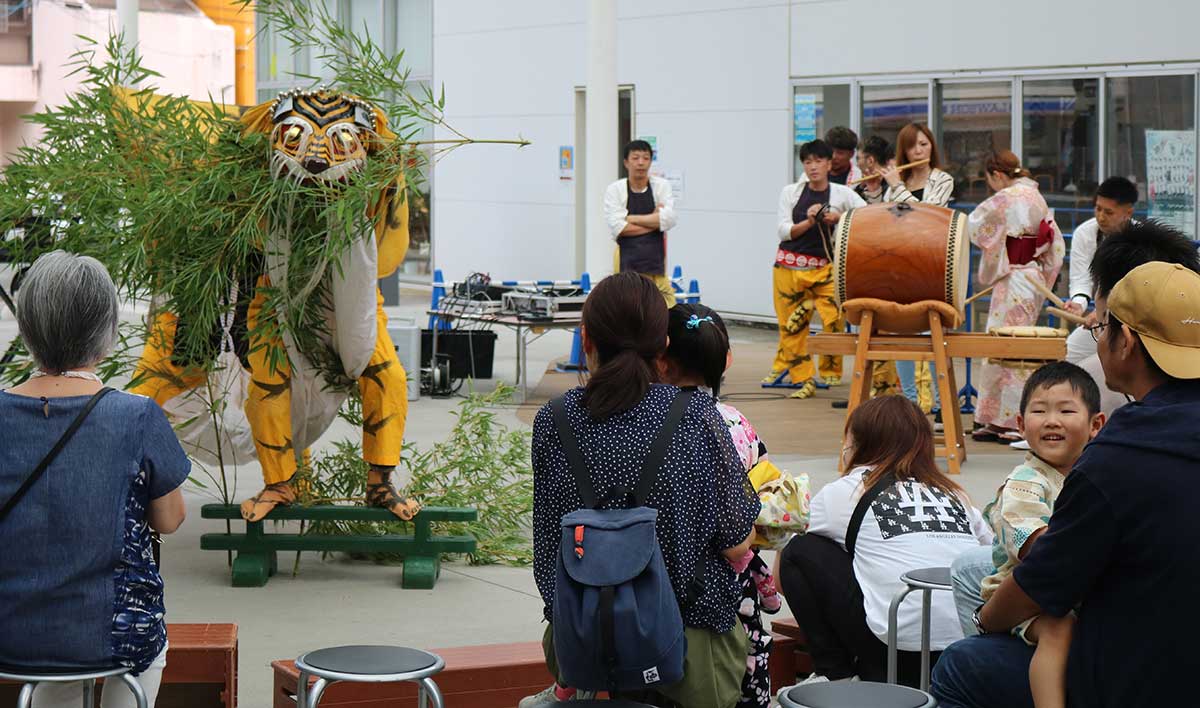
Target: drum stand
x=929 y=347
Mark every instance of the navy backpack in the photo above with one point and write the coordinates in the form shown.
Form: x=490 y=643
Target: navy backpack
x=617 y=625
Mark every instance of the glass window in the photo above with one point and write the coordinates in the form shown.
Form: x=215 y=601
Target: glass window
x=887 y=109
x=417 y=260
x=1061 y=144
x=364 y=16
x=816 y=109
x=414 y=34
x=1152 y=141
x=277 y=63
x=976 y=118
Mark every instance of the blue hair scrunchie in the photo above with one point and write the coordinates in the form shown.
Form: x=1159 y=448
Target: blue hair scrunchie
x=694 y=322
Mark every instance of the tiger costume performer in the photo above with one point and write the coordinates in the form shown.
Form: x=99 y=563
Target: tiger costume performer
x=320 y=135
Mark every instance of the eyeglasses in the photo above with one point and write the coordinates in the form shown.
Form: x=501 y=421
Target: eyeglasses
x=1094 y=330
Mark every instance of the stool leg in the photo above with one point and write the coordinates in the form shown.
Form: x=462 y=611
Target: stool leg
x=89 y=693
x=25 y=698
x=428 y=687
x=893 y=611
x=139 y=696
x=926 y=598
x=314 y=693
x=302 y=690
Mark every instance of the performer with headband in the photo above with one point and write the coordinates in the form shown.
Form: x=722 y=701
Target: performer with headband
x=803 y=276
x=1021 y=243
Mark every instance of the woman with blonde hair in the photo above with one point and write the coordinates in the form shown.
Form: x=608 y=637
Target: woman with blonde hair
x=1021 y=245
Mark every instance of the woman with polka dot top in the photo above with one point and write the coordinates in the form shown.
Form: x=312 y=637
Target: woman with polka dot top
x=706 y=506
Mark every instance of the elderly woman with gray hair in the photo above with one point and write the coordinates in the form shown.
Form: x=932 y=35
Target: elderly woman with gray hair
x=84 y=478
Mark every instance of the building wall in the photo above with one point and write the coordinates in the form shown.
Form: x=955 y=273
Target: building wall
x=950 y=35
x=194 y=55
x=711 y=84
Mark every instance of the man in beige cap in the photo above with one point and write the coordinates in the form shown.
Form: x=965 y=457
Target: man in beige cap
x=1122 y=547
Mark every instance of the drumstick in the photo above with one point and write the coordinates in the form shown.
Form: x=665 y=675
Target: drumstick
x=978 y=295
x=877 y=176
x=1068 y=316
x=1045 y=290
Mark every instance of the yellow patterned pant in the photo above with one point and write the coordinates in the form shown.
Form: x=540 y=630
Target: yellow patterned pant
x=383 y=386
x=799 y=294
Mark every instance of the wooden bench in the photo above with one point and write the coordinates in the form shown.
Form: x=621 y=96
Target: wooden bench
x=483 y=676
x=256 y=559
x=201 y=668
x=794 y=639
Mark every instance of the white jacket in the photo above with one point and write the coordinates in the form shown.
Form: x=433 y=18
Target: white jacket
x=616 y=205
x=841 y=198
x=939 y=190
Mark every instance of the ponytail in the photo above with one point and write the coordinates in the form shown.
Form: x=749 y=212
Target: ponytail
x=626 y=321
x=618 y=384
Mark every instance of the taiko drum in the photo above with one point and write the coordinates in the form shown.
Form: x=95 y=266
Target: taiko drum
x=902 y=253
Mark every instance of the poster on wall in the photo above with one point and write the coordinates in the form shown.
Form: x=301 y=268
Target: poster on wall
x=566 y=162
x=1171 y=177
x=653 y=140
x=804 y=117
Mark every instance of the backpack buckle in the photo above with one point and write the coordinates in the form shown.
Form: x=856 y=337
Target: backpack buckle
x=579 y=541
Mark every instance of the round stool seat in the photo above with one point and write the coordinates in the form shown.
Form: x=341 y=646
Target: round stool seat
x=370 y=663
x=854 y=694
x=59 y=675
x=931 y=578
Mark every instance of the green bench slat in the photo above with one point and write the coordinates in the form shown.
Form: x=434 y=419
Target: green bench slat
x=329 y=512
x=392 y=543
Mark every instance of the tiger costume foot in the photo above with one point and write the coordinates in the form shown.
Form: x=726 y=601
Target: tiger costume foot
x=382 y=493
x=258 y=506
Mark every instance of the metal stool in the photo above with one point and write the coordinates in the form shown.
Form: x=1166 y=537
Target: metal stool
x=926 y=580
x=614 y=703
x=854 y=694
x=31 y=678
x=368 y=664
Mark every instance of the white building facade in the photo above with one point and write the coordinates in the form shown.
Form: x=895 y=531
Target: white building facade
x=1080 y=90
x=38 y=39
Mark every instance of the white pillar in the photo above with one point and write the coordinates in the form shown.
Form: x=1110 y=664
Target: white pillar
x=127 y=21
x=601 y=115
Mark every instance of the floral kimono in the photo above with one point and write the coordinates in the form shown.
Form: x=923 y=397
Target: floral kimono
x=1020 y=242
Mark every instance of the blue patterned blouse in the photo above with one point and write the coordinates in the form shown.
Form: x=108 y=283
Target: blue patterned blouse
x=705 y=502
x=78 y=584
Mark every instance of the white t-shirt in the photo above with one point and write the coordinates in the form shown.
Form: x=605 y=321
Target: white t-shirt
x=908 y=527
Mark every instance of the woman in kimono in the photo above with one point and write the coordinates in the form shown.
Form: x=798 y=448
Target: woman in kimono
x=1021 y=244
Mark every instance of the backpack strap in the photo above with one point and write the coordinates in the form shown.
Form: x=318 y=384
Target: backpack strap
x=58 y=446
x=570 y=446
x=860 y=511
x=658 y=449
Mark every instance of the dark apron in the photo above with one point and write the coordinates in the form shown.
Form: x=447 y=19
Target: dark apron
x=646 y=253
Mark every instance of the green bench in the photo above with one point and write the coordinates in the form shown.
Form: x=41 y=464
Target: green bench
x=256 y=549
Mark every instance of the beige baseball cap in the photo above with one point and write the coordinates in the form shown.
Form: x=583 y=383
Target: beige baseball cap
x=1161 y=302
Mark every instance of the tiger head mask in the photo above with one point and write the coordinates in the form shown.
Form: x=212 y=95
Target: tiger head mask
x=318 y=135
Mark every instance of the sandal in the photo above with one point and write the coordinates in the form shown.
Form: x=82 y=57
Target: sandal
x=985 y=434
x=258 y=506
x=384 y=496
x=774 y=377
